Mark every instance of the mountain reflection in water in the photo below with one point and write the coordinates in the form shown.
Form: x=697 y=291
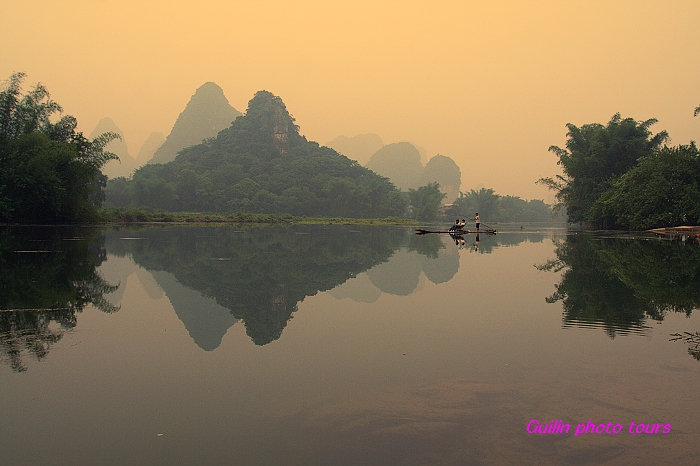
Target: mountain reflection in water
x=260 y=275
x=451 y=373
x=212 y=276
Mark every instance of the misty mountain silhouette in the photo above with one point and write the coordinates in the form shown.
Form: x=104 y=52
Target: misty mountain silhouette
x=443 y=170
x=149 y=147
x=126 y=164
x=397 y=162
x=398 y=276
x=400 y=162
x=207 y=113
x=360 y=147
x=205 y=320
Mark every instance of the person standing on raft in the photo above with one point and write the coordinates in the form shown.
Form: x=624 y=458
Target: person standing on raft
x=476 y=219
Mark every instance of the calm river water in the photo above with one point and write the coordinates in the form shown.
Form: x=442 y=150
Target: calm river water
x=346 y=345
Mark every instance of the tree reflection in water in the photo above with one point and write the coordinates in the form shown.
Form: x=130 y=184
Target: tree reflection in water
x=618 y=283
x=692 y=340
x=48 y=276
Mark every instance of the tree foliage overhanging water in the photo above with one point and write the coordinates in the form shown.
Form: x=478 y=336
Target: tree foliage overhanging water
x=49 y=172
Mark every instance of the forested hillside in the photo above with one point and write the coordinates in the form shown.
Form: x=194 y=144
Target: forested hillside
x=260 y=164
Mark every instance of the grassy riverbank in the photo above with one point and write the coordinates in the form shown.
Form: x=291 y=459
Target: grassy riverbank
x=137 y=216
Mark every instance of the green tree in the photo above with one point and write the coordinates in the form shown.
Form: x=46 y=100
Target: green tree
x=24 y=114
x=49 y=172
x=426 y=201
x=156 y=192
x=118 y=191
x=663 y=189
x=594 y=157
x=485 y=201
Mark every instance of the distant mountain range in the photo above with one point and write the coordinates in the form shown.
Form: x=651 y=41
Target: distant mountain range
x=259 y=164
x=149 y=148
x=363 y=146
x=127 y=164
x=401 y=162
x=207 y=113
x=360 y=147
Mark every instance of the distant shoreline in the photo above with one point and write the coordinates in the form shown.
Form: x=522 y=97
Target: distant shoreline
x=140 y=217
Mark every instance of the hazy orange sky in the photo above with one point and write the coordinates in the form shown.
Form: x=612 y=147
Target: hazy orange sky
x=490 y=84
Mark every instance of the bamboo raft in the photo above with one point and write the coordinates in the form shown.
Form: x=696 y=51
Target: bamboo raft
x=421 y=231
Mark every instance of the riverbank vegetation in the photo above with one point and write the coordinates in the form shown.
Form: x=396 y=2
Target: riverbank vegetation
x=498 y=208
x=49 y=172
x=142 y=216
x=622 y=176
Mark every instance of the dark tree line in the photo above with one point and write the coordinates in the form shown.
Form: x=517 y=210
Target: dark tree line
x=426 y=202
x=495 y=208
x=49 y=172
x=622 y=176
